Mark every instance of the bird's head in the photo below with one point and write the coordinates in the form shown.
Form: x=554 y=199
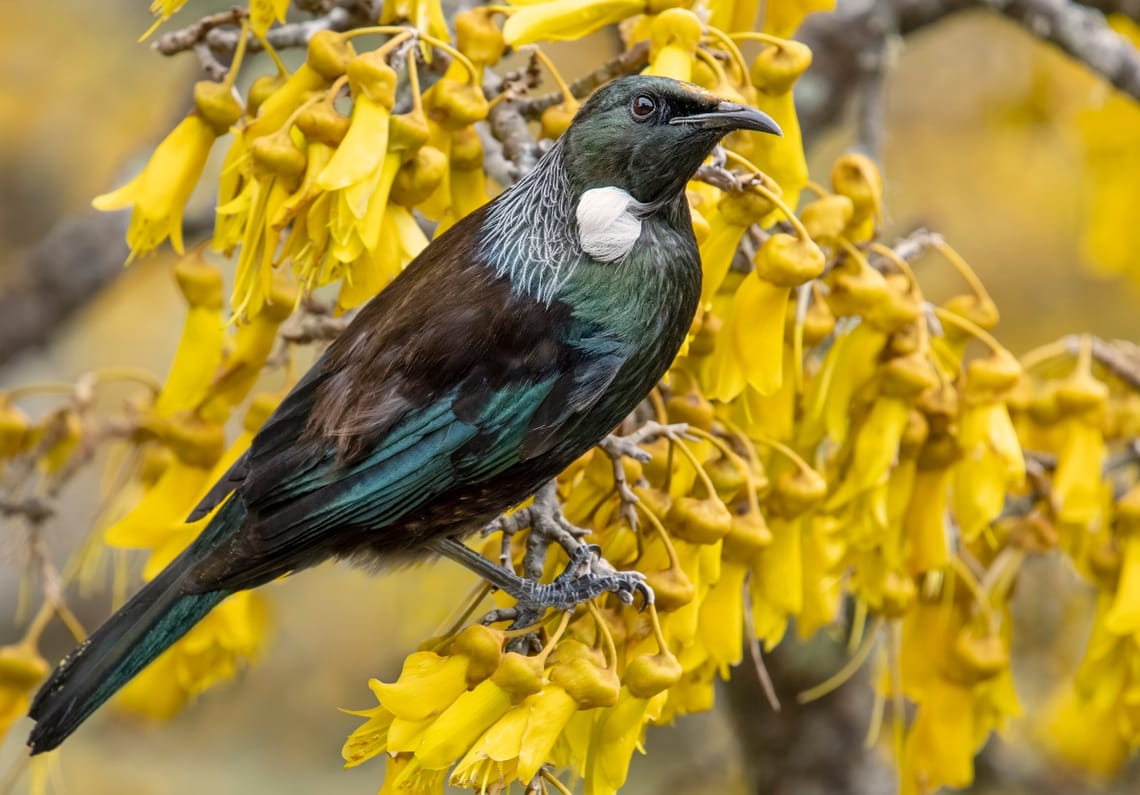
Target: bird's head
x=648 y=135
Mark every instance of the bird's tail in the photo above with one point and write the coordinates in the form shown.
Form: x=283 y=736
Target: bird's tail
x=154 y=618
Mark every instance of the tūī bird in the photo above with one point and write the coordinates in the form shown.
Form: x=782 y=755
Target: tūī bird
x=516 y=341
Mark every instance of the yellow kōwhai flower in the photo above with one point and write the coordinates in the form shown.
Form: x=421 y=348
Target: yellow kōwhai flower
x=158 y=521
x=253 y=342
x=674 y=35
x=519 y=743
x=781 y=19
x=773 y=73
x=618 y=733
x=21 y=670
x=555 y=20
x=992 y=461
x=1078 y=485
x=263 y=13
x=203 y=335
x=160 y=192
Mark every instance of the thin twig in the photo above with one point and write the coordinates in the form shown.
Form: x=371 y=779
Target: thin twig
x=632 y=60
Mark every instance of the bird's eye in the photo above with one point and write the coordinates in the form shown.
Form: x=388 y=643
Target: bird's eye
x=642 y=107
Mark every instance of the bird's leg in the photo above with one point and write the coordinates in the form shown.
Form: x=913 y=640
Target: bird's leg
x=617 y=447
x=585 y=577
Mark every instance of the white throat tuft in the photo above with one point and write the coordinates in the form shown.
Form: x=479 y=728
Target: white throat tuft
x=608 y=223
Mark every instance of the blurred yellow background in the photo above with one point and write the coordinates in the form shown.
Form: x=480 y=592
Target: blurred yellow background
x=982 y=146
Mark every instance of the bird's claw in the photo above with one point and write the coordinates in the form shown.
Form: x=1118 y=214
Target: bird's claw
x=586 y=577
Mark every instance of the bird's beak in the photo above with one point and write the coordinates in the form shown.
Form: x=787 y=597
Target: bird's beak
x=729 y=116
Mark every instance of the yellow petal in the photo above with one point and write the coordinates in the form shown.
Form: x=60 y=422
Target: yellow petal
x=757 y=329
x=566 y=19
x=453 y=732
x=428 y=684
x=363 y=147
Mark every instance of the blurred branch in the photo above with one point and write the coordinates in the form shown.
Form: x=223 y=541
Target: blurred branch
x=61 y=273
x=847 y=47
x=57 y=276
x=1083 y=33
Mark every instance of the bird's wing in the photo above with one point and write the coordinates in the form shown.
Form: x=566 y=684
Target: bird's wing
x=447 y=377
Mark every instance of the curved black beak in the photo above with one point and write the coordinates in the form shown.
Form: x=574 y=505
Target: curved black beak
x=728 y=116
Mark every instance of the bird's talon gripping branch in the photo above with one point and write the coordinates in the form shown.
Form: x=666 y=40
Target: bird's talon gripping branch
x=586 y=576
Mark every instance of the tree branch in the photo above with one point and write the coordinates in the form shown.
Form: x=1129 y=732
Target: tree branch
x=844 y=41
x=1083 y=33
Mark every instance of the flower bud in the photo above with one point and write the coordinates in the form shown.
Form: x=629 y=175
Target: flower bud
x=899 y=309
x=818 y=323
x=857 y=177
x=699 y=521
x=329 y=54
x=975 y=658
x=787 y=261
x=914 y=434
x=745 y=207
x=650 y=674
x=478 y=37
x=748 y=536
x=200 y=282
x=419 y=177
x=656 y=501
x=21 y=667
x=519 y=675
x=777 y=68
x=369 y=74
x=280 y=302
x=727 y=476
x=324 y=123
x=672 y=589
x=980 y=312
x=1081 y=393
x=584 y=681
x=260 y=90
x=992 y=375
x=827 y=217
x=483 y=647
x=277 y=156
x=466 y=149
x=691 y=408
x=796 y=491
x=906 y=377
x=556 y=119
x=454 y=104
x=217 y=105
x=15 y=430
x=856 y=287
x=408 y=131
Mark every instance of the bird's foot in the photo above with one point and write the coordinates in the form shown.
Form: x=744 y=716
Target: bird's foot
x=619 y=447
x=585 y=577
